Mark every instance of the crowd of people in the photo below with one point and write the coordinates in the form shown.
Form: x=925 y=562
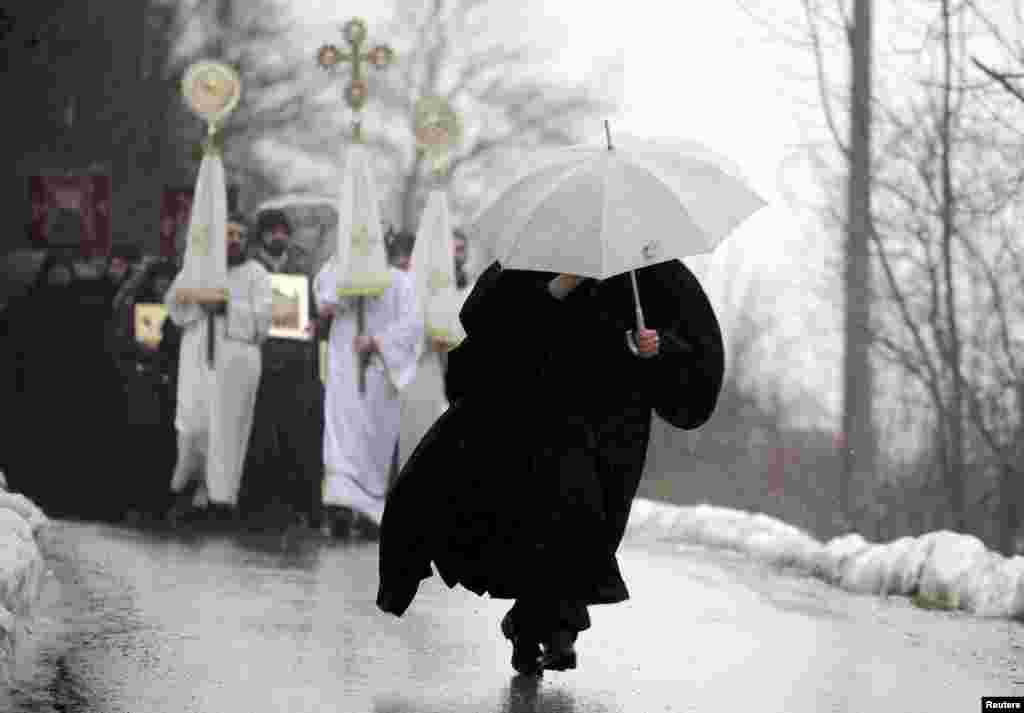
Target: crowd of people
x=232 y=427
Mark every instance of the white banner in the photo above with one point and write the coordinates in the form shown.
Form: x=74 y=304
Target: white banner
x=360 y=260
x=433 y=266
x=206 y=260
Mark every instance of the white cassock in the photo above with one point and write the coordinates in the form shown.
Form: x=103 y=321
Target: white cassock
x=215 y=406
x=360 y=431
x=423 y=401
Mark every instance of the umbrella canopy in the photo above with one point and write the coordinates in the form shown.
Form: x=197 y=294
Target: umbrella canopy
x=596 y=211
x=433 y=267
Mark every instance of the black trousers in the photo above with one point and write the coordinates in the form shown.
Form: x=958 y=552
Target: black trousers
x=284 y=463
x=538 y=618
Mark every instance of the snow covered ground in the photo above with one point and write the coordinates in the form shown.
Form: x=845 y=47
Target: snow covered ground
x=943 y=569
x=22 y=569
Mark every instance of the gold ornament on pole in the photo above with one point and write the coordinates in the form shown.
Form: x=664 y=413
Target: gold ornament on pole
x=360 y=260
x=438 y=130
x=212 y=90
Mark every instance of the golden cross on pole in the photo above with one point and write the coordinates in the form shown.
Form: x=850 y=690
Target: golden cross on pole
x=357 y=91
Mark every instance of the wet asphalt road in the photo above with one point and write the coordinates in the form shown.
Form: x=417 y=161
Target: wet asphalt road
x=143 y=623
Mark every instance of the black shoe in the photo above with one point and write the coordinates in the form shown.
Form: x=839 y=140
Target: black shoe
x=560 y=652
x=527 y=657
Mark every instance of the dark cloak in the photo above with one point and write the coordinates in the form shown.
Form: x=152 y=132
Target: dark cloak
x=524 y=486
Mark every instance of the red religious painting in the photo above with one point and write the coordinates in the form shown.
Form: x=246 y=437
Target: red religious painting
x=175 y=209
x=69 y=211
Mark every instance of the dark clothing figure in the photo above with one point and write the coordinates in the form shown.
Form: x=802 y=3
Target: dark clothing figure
x=523 y=488
x=63 y=398
x=148 y=376
x=284 y=465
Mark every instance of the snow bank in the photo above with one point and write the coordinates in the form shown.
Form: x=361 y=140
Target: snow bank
x=22 y=569
x=943 y=569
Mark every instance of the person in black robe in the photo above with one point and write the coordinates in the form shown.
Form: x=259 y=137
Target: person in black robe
x=284 y=466
x=146 y=372
x=57 y=421
x=523 y=488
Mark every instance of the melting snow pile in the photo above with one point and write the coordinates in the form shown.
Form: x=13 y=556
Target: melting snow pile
x=945 y=568
x=22 y=568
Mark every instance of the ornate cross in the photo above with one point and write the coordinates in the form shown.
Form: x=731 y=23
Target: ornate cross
x=357 y=90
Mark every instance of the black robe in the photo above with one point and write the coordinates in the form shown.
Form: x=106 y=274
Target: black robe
x=524 y=486
x=284 y=460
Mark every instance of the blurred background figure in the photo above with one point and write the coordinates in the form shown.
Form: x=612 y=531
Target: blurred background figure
x=215 y=402
x=57 y=402
x=146 y=368
x=361 y=429
x=283 y=479
x=399 y=248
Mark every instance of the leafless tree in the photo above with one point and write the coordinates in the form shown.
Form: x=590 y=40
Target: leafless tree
x=468 y=52
x=946 y=195
x=256 y=38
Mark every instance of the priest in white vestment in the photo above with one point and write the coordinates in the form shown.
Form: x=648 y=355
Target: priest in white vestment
x=215 y=403
x=361 y=430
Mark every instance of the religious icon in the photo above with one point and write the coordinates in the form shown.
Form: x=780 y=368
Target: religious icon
x=290 y=310
x=149 y=321
x=71 y=211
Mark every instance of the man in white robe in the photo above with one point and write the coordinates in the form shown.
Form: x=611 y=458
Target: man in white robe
x=215 y=404
x=361 y=430
x=423 y=401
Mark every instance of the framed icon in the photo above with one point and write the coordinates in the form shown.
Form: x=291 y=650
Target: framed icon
x=291 y=307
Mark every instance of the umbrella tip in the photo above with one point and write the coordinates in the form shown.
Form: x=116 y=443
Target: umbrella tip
x=608 y=133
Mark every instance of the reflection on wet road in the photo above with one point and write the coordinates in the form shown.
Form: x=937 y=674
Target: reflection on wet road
x=143 y=623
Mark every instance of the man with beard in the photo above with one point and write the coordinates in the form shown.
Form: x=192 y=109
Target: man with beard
x=215 y=402
x=285 y=464
x=557 y=361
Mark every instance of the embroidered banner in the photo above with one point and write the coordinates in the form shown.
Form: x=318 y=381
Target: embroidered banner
x=71 y=211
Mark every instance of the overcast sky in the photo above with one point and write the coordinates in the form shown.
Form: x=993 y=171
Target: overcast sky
x=710 y=76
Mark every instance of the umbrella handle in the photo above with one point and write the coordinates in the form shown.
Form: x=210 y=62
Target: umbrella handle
x=636 y=300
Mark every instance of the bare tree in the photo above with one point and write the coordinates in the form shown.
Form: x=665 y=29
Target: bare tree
x=467 y=52
x=255 y=37
x=946 y=190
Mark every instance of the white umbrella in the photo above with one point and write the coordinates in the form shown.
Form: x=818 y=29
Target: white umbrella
x=598 y=210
